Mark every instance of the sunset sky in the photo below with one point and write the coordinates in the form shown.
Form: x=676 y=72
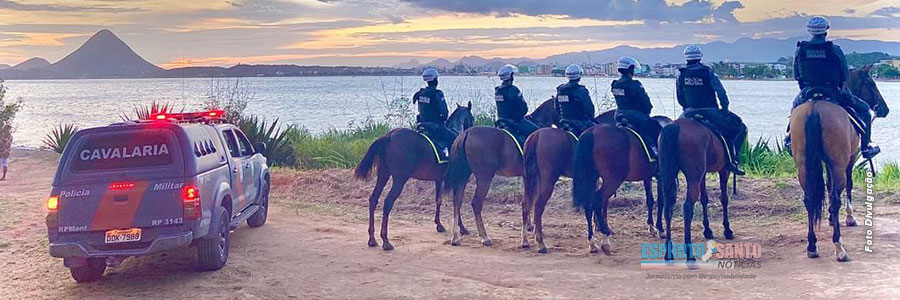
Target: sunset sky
x=174 y=33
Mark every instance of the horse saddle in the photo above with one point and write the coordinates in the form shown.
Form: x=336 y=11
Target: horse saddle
x=624 y=124
x=509 y=126
x=427 y=133
x=715 y=130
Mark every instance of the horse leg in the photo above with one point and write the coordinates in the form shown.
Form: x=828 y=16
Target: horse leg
x=545 y=190
x=704 y=203
x=811 y=250
x=723 y=185
x=373 y=203
x=437 y=206
x=481 y=190
x=669 y=207
x=458 y=194
x=834 y=209
x=396 y=189
x=660 y=205
x=693 y=191
x=589 y=217
x=851 y=221
x=527 y=204
x=607 y=189
x=648 y=191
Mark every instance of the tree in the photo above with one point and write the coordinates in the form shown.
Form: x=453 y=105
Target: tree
x=864 y=59
x=8 y=110
x=887 y=71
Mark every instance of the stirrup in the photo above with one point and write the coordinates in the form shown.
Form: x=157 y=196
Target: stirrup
x=869 y=151
x=736 y=169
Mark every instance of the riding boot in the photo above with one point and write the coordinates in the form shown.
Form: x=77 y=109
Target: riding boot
x=868 y=149
x=735 y=144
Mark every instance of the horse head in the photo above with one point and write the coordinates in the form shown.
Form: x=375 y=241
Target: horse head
x=545 y=115
x=863 y=86
x=461 y=118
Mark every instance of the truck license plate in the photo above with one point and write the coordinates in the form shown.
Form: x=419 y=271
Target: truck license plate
x=123 y=235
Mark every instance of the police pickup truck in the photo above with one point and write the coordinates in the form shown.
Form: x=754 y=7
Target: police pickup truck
x=141 y=187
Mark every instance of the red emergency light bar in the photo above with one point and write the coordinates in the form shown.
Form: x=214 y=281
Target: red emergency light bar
x=211 y=115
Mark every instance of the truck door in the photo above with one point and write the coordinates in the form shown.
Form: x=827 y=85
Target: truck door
x=241 y=174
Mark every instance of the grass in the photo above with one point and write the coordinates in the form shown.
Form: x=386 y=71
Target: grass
x=335 y=148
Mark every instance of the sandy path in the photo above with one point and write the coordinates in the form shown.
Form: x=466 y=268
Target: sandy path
x=309 y=251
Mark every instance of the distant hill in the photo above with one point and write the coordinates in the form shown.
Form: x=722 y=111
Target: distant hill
x=33 y=63
x=4 y=66
x=279 y=71
x=742 y=50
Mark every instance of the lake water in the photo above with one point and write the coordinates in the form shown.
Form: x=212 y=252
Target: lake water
x=322 y=103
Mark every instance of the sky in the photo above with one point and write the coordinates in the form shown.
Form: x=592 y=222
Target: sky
x=176 y=33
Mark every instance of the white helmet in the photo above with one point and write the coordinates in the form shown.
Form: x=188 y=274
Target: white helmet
x=506 y=72
x=626 y=62
x=430 y=74
x=574 y=72
x=693 y=52
x=817 y=25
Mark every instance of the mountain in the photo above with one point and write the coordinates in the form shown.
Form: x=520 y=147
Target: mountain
x=742 y=50
x=33 y=63
x=411 y=64
x=439 y=63
x=5 y=66
x=103 y=55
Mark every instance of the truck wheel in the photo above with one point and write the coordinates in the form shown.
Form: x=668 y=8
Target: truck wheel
x=91 y=271
x=212 y=251
x=259 y=217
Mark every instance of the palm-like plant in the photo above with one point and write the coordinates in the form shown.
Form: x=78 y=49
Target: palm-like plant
x=59 y=137
x=278 y=150
x=144 y=112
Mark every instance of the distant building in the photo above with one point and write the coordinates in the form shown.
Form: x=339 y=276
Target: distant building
x=891 y=62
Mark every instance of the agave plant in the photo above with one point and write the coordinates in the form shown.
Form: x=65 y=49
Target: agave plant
x=59 y=137
x=278 y=147
x=144 y=112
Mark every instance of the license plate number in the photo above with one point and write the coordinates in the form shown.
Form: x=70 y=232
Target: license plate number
x=123 y=235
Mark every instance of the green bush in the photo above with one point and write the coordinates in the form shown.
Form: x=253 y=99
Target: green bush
x=279 y=150
x=143 y=112
x=59 y=137
x=335 y=148
x=763 y=160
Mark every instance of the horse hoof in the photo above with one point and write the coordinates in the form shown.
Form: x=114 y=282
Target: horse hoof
x=812 y=254
x=487 y=242
x=606 y=249
x=454 y=243
x=851 y=221
x=662 y=235
x=543 y=250
x=530 y=228
x=708 y=235
x=387 y=246
x=373 y=243
x=692 y=265
x=463 y=231
x=526 y=245
x=594 y=249
x=729 y=235
x=842 y=257
x=440 y=228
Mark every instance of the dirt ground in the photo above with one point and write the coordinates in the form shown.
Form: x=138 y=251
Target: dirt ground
x=314 y=247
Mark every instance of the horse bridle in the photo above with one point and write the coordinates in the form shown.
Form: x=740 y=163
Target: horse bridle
x=867 y=84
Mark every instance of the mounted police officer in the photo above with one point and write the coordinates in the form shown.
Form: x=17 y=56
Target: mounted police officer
x=433 y=112
x=511 y=106
x=820 y=66
x=697 y=88
x=573 y=102
x=633 y=104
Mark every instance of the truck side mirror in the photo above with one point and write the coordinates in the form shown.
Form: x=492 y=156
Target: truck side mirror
x=260 y=148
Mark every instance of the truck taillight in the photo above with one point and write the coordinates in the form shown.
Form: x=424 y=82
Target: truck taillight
x=53 y=203
x=190 y=197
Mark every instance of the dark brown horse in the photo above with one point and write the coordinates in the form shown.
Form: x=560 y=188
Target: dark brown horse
x=403 y=154
x=486 y=152
x=687 y=146
x=615 y=155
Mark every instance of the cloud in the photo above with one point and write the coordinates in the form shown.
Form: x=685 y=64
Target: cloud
x=18 y=6
x=621 y=10
x=889 y=11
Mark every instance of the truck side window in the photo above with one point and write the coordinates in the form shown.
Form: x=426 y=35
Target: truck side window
x=231 y=143
x=246 y=147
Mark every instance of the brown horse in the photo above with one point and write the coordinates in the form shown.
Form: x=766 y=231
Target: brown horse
x=615 y=155
x=687 y=146
x=403 y=154
x=486 y=152
x=821 y=120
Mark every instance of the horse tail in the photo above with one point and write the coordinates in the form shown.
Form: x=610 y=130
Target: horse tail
x=814 y=153
x=373 y=158
x=458 y=169
x=584 y=175
x=532 y=174
x=668 y=164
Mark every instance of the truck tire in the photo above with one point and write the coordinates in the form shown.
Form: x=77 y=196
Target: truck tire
x=259 y=217
x=212 y=251
x=91 y=271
